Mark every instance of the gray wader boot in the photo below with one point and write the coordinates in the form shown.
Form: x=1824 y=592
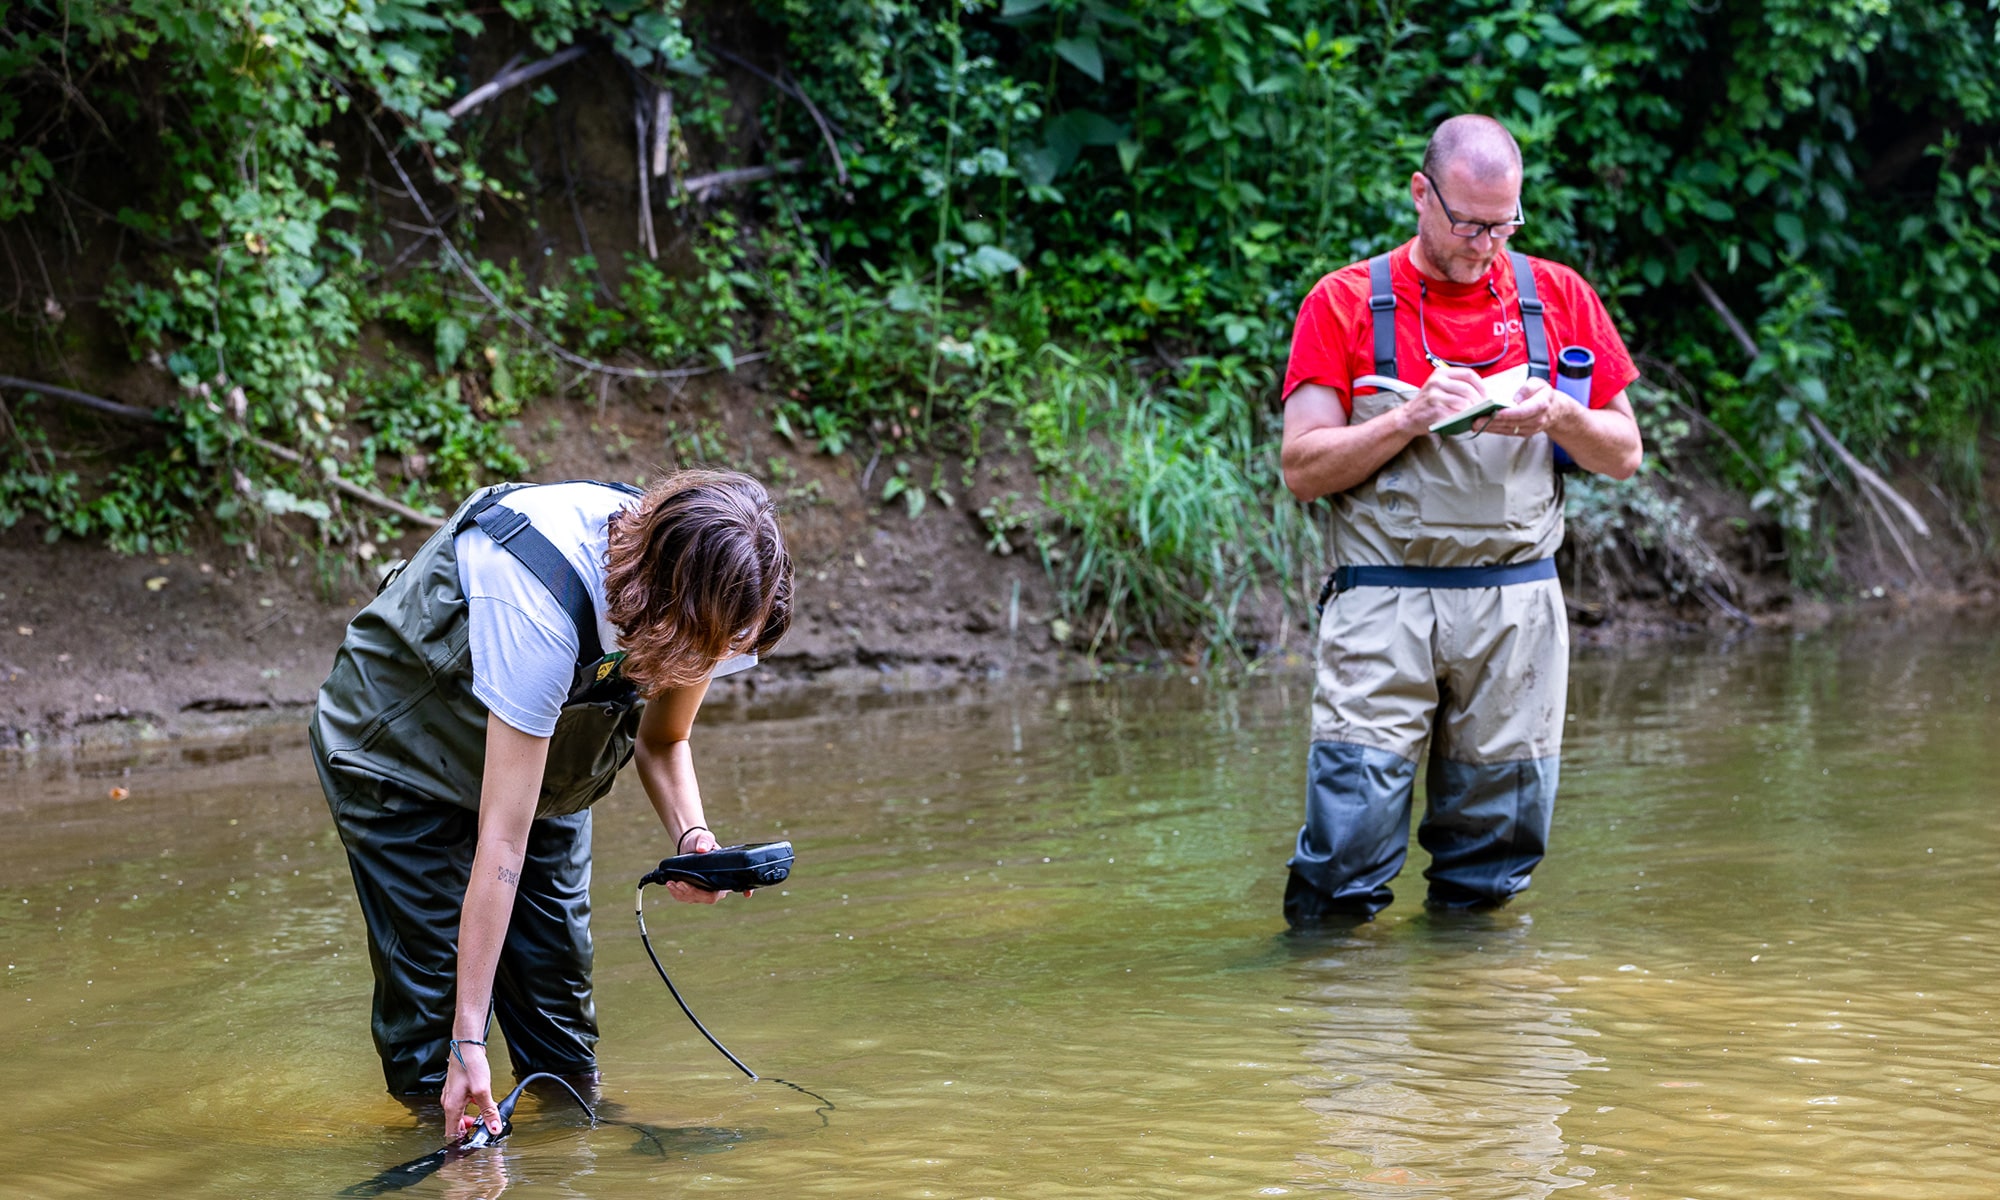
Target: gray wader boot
x=1445 y=633
x=399 y=742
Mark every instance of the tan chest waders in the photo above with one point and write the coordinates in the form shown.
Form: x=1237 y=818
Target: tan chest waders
x=1442 y=633
x=399 y=741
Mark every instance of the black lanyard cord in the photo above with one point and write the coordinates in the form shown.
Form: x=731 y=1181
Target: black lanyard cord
x=1423 y=335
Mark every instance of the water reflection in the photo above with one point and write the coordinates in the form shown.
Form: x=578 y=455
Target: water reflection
x=1444 y=1056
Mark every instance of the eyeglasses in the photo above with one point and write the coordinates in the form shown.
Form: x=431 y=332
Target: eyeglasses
x=1499 y=231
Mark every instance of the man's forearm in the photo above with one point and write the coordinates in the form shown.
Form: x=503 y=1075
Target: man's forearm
x=1331 y=459
x=1603 y=441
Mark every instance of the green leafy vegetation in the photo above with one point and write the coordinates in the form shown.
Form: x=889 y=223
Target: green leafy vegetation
x=1075 y=228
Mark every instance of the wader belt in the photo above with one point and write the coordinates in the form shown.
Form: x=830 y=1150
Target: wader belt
x=1344 y=578
x=1382 y=300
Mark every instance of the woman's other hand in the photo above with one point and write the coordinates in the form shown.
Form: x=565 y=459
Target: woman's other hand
x=698 y=841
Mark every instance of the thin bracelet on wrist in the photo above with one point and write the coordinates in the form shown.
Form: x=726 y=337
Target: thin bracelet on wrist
x=682 y=839
x=460 y=1055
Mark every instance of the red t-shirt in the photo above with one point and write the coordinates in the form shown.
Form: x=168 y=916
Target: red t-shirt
x=1334 y=339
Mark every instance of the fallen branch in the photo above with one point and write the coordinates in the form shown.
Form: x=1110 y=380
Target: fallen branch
x=663 y=127
x=99 y=403
x=464 y=267
x=133 y=413
x=1722 y=310
x=349 y=489
x=1868 y=476
x=704 y=187
x=645 y=191
x=514 y=77
x=797 y=93
x=1721 y=604
x=1875 y=488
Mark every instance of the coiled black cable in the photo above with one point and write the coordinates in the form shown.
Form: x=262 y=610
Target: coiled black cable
x=639 y=911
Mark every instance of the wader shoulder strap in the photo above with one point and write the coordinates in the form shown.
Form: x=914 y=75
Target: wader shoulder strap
x=1532 y=330
x=514 y=534
x=1382 y=311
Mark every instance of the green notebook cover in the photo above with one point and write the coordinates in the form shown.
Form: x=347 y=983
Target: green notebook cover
x=1460 y=422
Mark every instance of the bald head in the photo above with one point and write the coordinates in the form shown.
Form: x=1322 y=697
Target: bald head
x=1479 y=147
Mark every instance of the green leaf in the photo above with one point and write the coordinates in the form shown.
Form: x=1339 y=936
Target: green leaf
x=1021 y=8
x=1654 y=270
x=1083 y=54
x=909 y=296
x=988 y=263
x=1790 y=228
x=450 y=337
x=724 y=355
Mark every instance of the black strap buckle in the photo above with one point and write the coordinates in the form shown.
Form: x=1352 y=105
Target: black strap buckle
x=1381 y=303
x=502 y=523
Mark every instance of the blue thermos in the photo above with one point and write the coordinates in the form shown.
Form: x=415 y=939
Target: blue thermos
x=1573 y=367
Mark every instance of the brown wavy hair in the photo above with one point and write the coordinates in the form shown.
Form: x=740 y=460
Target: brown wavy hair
x=695 y=571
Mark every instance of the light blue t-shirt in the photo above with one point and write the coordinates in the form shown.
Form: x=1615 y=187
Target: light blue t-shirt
x=523 y=642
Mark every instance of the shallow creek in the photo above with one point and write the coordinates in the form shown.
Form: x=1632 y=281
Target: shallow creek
x=1032 y=949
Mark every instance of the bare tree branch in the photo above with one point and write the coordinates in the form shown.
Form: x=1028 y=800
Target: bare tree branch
x=133 y=413
x=514 y=77
x=348 y=489
x=704 y=187
x=793 y=90
x=645 y=186
x=1743 y=337
x=127 y=411
x=1875 y=488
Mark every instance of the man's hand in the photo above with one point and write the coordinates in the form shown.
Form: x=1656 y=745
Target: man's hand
x=1538 y=408
x=468 y=1092
x=700 y=842
x=1449 y=390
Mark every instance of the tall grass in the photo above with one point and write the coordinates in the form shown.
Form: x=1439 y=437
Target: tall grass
x=1172 y=515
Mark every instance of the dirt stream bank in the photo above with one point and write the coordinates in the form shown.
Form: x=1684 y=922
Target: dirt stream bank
x=102 y=650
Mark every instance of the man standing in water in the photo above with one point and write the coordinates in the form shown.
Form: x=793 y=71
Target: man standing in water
x=1444 y=622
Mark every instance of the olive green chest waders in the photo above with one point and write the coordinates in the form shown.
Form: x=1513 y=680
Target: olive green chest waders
x=400 y=744
x=1443 y=629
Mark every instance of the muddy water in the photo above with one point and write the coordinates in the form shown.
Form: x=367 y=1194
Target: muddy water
x=1031 y=949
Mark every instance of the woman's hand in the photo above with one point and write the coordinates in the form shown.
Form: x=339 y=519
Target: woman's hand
x=468 y=1092
x=696 y=841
